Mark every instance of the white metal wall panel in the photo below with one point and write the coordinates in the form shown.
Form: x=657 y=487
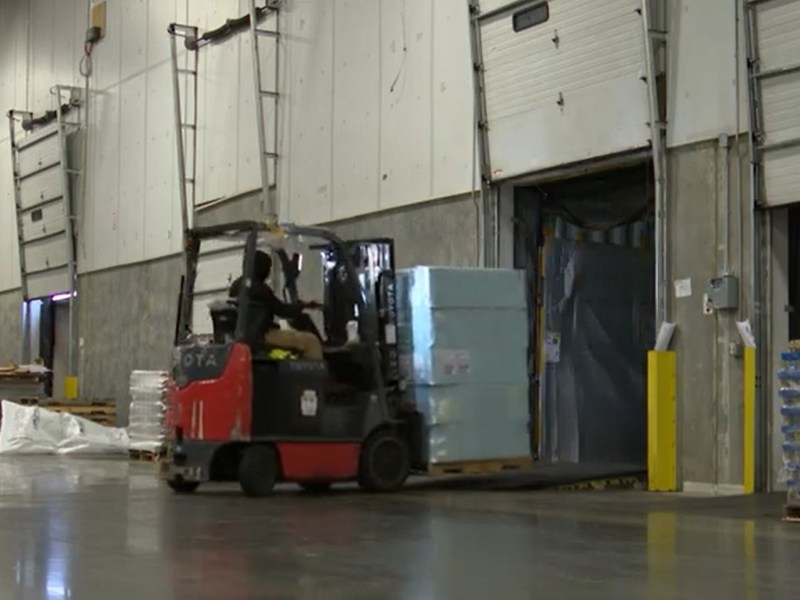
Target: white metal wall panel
x=160 y=13
x=133 y=38
x=132 y=166
x=406 y=92
x=551 y=103
x=702 y=65
x=778 y=23
x=9 y=265
x=452 y=96
x=162 y=229
x=217 y=107
x=103 y=194
x=308 y=148
x=106 y=57
x=356 y=100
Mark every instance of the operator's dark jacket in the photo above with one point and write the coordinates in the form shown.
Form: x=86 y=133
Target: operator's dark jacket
x=262 y=296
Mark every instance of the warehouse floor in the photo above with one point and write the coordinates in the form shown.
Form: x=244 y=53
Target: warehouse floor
x=85 y=529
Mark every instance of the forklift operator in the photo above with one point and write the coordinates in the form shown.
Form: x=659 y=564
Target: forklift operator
x=304 y=342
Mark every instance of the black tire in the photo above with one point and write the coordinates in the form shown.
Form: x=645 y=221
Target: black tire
x=316 y=487
x=384 y=463
x=258 y=470
x=180 y=486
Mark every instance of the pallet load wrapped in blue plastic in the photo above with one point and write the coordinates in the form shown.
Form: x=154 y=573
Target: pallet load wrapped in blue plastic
x=463 y=336
x=789 y=392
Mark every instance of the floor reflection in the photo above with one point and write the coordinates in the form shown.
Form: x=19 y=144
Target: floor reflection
x=106 y=529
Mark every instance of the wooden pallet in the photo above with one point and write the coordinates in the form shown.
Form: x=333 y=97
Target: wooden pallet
x=146 y=455
x=791 y=513
x=480 y=467
x=83 y=410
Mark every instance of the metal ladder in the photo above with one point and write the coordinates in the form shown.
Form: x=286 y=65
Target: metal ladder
x=185 y=107
x=185 y=87
x=760 y=145
x=655 y=50
x=266 y=154
x=32 y=198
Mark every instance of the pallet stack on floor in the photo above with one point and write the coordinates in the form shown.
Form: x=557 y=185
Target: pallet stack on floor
x=789 y=392
x=148 y=390
x=22 y=383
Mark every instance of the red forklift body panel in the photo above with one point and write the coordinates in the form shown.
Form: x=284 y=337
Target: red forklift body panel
x=319 y=461
x=217 y=409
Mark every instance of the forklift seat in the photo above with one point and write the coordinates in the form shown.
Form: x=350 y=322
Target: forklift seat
x=223 y=319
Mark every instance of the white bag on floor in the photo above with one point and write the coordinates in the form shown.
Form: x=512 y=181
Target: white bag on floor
x=35 y=430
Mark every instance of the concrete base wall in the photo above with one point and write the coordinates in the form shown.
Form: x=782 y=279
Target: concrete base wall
x=127 y=314
x=710 y=431
x=10 y=330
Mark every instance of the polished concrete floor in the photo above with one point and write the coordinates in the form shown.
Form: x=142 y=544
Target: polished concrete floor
x=105 y=529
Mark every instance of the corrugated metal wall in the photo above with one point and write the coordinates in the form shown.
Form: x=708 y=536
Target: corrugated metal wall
x=376 y=113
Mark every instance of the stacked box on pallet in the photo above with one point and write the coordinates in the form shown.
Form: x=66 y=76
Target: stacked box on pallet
x=148 y=391
x=463 y=336
x=789 y=392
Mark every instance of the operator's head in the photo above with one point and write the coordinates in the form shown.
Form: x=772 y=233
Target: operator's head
x=263 y=265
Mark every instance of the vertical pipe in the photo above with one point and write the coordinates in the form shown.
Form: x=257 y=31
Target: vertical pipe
x=69 y=220
x=740 y=208
x=486 y=189
x=758 y=221
x=659 y=174
x=724 y=144
x=275 y=119
x=179 y=132
x=195 y=77
x=267 y=201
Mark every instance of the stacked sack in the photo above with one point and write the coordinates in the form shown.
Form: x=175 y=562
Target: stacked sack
x=146 y=426
x=789 y=392
x=463 y=338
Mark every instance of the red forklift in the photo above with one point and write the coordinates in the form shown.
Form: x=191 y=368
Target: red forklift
x=239 y=410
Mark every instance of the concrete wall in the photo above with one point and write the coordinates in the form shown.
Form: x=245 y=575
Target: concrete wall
x=10 y=331
x=126 y=321
x=709 y=378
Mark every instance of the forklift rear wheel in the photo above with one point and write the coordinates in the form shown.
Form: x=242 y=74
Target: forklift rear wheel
x=258 y=470
x=316 y=487
x=181 y=486
x=384 y=463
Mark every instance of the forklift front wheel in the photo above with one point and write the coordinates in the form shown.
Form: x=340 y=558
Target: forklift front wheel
x=384 y=463
x=258 y=470
x=181 y=486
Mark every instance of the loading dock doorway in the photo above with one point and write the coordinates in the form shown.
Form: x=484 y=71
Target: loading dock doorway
x=586 y=244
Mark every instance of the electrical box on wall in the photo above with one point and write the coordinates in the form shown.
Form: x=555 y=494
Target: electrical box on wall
x=723 y=292
x=97 y=20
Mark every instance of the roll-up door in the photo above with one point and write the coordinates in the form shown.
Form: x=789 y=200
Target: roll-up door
x=562 y=81
x=777 y=75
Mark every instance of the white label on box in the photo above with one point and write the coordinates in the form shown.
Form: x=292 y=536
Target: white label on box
x=391 y=334
x=454 y=362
